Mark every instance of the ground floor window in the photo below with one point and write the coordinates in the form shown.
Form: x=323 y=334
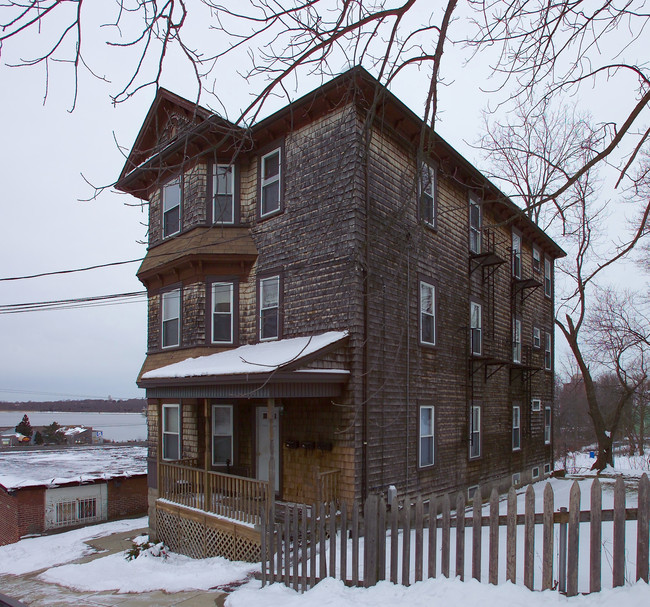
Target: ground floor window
x=475 y=431
x=547 y=425
x=426 y=436
x=171 y=432
x=516 y=428
x=222 y=435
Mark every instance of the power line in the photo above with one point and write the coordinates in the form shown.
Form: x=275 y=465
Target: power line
x=67 y=304
x=71 y=271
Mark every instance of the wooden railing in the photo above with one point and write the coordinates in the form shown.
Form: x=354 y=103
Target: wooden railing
x=234 y=497
x=327 y=482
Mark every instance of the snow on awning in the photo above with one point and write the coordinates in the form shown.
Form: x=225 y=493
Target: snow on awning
x=265 y=357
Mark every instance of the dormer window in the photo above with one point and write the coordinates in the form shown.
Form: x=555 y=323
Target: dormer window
x=270 y=194
x=171 y=203
x=223 y=188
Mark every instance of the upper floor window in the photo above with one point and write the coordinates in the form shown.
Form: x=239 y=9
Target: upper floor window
x=426 y=436
x=475 y=313
x=427 y=191
x=171 y=432
x=269 y=298
x=537 y=338
x=270 y=189
x=516 y=428
x=537 y=260
x=548 y=351
x=222 y=312
x=475 y=431
x=516 y=255
x=536 y=404
x=427 y=313
x=547 y=425
x=222 y=435
x=548 y=277
x=474 y=225
x=171 y=203
x=516 y=340
x=171 y=318
x=223 y=188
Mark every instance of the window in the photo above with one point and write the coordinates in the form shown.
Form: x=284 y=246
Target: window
x=547 y=469
x=471 y=492
x=171 y=432
x=223 y=188
x=269 y=298
x=475 y=328
x=171 y=318
x=516 y=340
x=427 y=190
x=516 y=255
x=516 y=428
x=474 y=225
x=171 y=195
x=426 y=436
x=537 y=338
x=536 y=472
x=475 y=431
x=222 y=435
x=427 y=313
x=547 y=425
x=537 y=260
x=516 y=479
x=222 y=312
x=548 y=351
x=536 y=404
x=548 y=277
x=270 y=183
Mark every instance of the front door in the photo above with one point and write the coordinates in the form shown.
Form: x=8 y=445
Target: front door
x=263 y=450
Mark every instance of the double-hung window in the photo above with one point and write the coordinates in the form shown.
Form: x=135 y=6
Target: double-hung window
x=427 y=313
x=548 y=277
x=516 y=255
x=548 y=351
x=271 y=181
x=426 y=436
x=516 y=340
x=222 y=312
x=537 y=338
x=547 y=425
x=516 y=428
x=475 y=431
x=537 y=260
x=269 y=298
x=474 y=225
x=222 y=435
x=171 y=203
x=475 y=328
x=171 y=318
x=427 y=190
x=171 y=432
x=536 y=404
x=223 y=188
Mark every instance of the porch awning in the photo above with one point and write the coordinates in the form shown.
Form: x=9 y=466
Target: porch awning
x=263 y=370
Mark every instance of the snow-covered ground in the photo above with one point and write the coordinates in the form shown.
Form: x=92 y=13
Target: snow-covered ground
x=53 y=467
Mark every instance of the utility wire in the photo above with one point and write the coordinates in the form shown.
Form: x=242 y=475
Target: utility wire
x=67 y=304
x=71 y=271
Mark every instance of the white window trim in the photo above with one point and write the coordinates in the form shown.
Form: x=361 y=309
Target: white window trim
x=165 y=210
x=473 y=432
x=430 y=195
x=476 y=329
x=537 y=338
x=548 y=351
x=516 y=255
x=264 y=281
x=430 y=437
x=432 y=314
x=535 y=472
x=475 y=244
x=547 y=469
x=231 y=313
x=516 y=479
x=177 y=407
x=215 y=170
x=231 y=434
x=165 y=297
x=516 y=340
x=271 y=180
x=537 y=256
x=548 y=277
x=547 y=425
x=536 y=404
x=516 y=427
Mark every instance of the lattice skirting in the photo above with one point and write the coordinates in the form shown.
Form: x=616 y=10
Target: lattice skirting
x=182 y=533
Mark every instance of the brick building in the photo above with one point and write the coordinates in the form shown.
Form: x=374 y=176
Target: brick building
x=344 y=272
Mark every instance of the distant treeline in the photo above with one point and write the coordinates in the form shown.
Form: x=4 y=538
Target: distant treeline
x=116 y=406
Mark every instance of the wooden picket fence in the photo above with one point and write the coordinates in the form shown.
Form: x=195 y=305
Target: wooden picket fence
x=400 y=542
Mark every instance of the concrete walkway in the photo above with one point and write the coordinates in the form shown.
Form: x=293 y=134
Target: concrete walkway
x=36 y=593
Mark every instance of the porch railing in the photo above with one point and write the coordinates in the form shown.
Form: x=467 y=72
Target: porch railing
x=327 y=482
x=234 y=497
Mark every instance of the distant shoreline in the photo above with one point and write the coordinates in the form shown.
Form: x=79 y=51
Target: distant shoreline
x=132 y=405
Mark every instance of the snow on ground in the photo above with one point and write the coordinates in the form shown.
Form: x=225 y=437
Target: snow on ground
x=53 y=467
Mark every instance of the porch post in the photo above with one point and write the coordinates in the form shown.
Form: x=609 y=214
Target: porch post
x=270 y=405
x=207 y=431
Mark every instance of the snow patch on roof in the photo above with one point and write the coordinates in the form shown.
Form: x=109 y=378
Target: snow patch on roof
x=264 y=357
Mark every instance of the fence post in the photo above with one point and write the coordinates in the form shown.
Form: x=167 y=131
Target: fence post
x=460 y=536
x=446 y=524
x=322 y=543
x=332 y=532
x=476 y=535
x=296 y=543
x=287 y=546
x=406 y=542
x=562 y=550
x=355 y=544
x=370 y=542
x=313 y=534
x=511 y=537
x=418 y=539
x=547 y=557
x=573 y=543
x=494 y=537
x=394 y=538
x=642 y=530
x=344 y=541
x=595 y=540
x=263 y=548
x=618 y=566
x=529 y=537
x=381 y=539
x=433 y=536
x=305 y=538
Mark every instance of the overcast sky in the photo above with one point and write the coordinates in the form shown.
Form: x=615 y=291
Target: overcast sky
x=46 y=226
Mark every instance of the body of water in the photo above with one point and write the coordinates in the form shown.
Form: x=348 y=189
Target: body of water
x=115 y=426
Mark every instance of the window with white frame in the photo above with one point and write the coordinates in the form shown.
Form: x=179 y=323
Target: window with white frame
x=516 y=479
x=548 y=351
x=222 y=312
x=474 y=225
x=427 y=190
x=223 y=198
x=516 y=340
x=171 y=203
x=537 y=260
x=270 y=189
x=427 y=313
x=537 y=338
x=547 y=425
x=475 y=431
x=547 y=469
x=269 y=298
x=475 y=321
x=516 y=254
x=222 y=435
x=171 y=318
x=535 y=472
x=171 y=432
x=427 y=423
x=516 y=428
x=536 y=404
x=548 y=277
